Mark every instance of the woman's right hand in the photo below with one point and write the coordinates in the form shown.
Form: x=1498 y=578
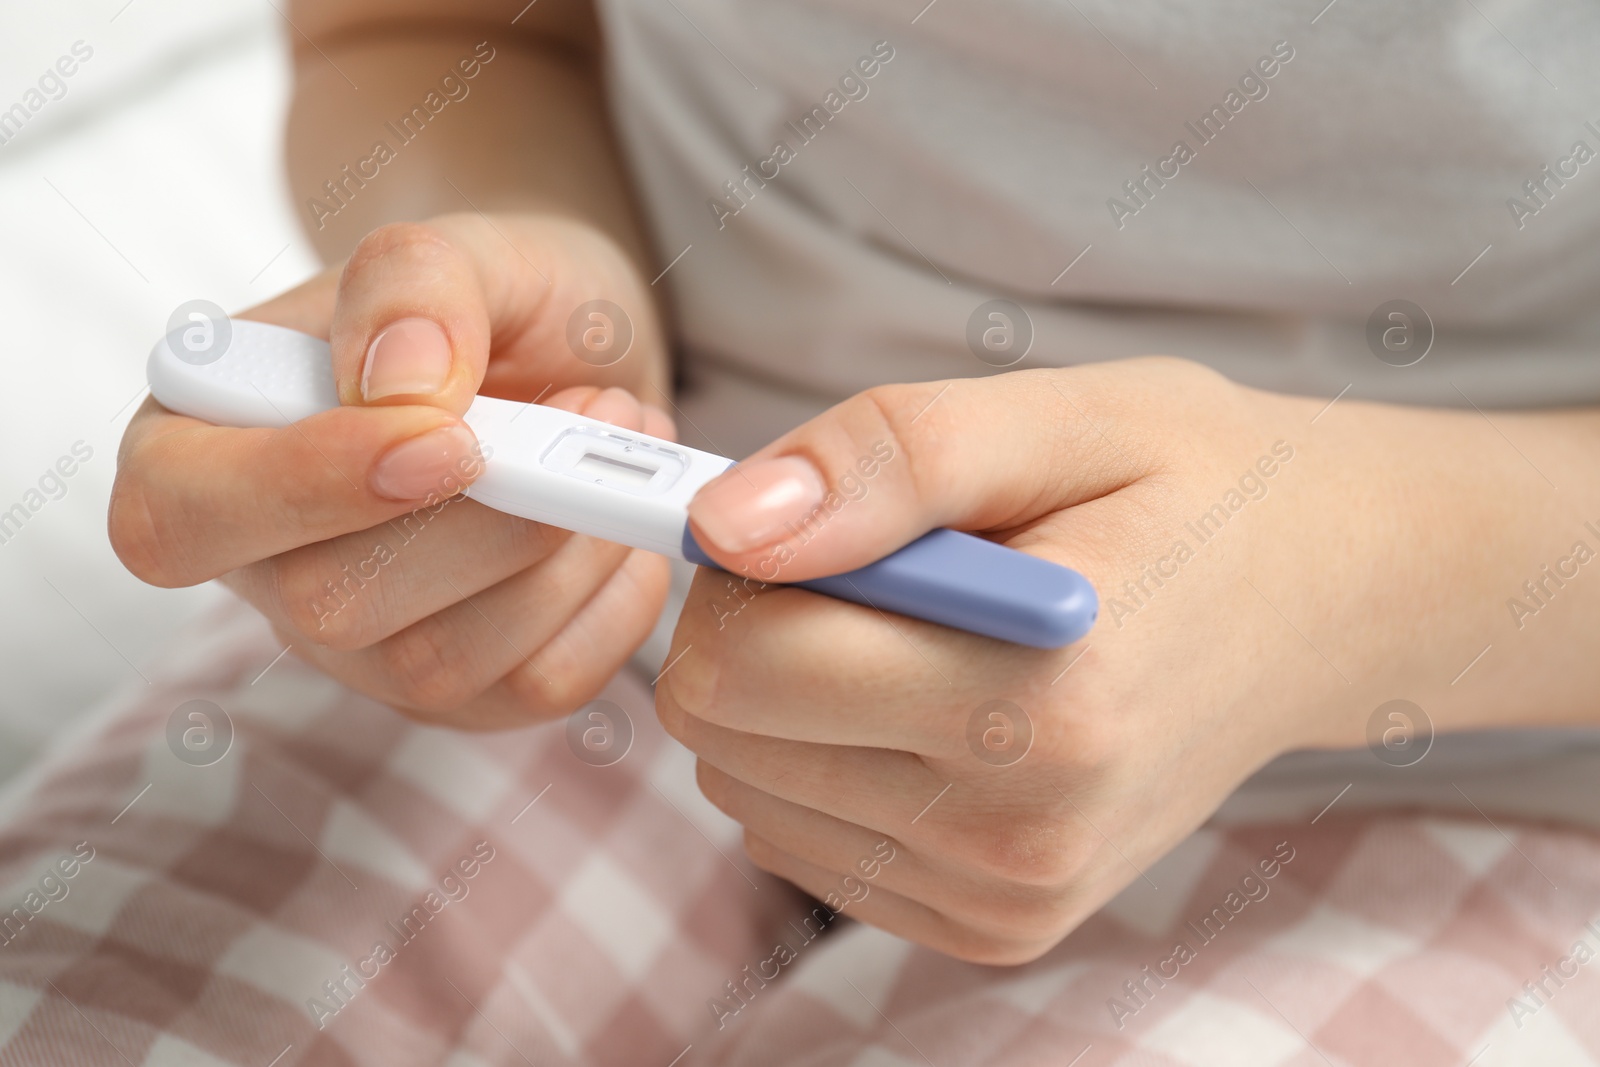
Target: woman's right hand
x=345 y=529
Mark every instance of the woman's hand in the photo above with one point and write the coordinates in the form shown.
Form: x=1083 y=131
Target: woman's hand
x=346 y=529
x=1269 y=576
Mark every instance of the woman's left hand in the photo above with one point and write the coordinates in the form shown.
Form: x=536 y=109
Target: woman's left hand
x=1266 y=582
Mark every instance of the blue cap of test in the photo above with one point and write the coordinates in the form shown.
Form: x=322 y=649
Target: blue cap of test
x=965 y=582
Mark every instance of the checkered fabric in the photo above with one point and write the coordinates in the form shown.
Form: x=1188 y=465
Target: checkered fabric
x=343 y=887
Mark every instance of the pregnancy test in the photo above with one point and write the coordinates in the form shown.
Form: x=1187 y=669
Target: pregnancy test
x=554 y=467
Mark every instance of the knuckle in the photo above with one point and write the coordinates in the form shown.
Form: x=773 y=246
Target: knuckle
x=431 y=718
x=1030 y=916
x=535 y=690
x=999 y=947
x=677 y=722
x=990 y=951
x=548 y=691
x=141 y=541
x=528 y=540
x=286 y=495
x=896 y=409
x=716 y=787
x=426 y=669
x=292 y=477
x=1034 y=849
x=698 y=613
x=957 y=938
x=530 y=692
x=322 y=612
x=764 y=854
x=1088 y=746
x=415 y=241
x=716 y=604
x=1188 y=370
x=1185 y=381
x=1083 y=748
x=565 y=678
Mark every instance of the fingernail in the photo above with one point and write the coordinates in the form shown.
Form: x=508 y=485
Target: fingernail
x=410 y=357
x=748 y=507
x=437 y=462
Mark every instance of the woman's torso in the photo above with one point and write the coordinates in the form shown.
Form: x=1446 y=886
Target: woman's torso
x=1371 y=152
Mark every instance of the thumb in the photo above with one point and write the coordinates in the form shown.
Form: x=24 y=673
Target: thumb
x=410 y=323
x=879 y=470
x=419 y=305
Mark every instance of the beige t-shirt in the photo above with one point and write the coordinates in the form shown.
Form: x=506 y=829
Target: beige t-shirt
x=844 y=186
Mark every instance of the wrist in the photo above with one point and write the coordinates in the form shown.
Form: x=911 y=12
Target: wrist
x=1424 y=529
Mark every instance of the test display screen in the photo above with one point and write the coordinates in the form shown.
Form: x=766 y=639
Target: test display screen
x=616 y=460
x=611 y=469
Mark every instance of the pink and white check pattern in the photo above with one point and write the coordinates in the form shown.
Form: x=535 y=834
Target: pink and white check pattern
x=616 y=905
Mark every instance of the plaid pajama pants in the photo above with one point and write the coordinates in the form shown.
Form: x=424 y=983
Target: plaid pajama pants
x=262 y=870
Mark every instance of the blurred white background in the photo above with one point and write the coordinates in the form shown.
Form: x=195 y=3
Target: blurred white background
x=155 y=179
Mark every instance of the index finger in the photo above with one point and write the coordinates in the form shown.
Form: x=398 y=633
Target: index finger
x=420 y=305
x=792 y=664
x=193 y=501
